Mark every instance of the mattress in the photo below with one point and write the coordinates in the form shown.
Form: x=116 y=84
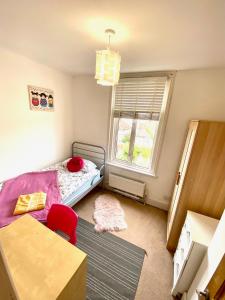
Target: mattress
x=85 y=188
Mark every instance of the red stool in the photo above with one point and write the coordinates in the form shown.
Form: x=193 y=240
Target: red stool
x=63 y=218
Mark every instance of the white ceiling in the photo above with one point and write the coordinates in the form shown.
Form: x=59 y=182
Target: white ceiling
x=151 y=34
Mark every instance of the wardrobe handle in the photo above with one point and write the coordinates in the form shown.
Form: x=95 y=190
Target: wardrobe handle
x=203 y=295
x=178 y=178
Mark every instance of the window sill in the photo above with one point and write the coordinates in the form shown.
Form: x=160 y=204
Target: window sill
x=130 y=169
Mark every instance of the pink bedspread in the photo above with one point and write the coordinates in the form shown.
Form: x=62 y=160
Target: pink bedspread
x=28 y=183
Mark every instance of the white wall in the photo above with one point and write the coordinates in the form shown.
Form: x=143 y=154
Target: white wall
x=91 y=111
x=198 y=94
x=30 y=139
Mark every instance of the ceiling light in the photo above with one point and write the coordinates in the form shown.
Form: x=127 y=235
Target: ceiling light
x=107 y=64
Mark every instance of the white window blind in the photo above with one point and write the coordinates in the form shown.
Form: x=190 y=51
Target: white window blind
x=139 y=98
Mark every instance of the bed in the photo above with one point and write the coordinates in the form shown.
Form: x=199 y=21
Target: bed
x=74 y=186
x=60 y=185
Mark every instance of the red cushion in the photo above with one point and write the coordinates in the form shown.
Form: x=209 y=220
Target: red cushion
x=75 y=164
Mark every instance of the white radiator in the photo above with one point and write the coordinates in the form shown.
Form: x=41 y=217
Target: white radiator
x=130 y=186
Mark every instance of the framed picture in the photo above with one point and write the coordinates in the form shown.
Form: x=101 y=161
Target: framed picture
x=41 y=99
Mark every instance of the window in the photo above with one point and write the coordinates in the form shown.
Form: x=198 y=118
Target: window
x=139 y=108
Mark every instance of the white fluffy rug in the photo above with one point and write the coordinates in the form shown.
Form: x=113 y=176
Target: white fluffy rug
x=108 y=214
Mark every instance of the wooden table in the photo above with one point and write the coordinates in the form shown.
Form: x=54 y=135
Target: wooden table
x=43 y=266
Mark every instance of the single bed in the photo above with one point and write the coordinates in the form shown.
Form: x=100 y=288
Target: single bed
x=74 y=186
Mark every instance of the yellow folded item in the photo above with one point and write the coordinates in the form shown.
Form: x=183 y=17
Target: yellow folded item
x=30 y=202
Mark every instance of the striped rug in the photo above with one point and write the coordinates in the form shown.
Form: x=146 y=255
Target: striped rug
x=114 y=265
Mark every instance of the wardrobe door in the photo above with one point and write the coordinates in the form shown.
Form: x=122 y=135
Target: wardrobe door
x=180 y=176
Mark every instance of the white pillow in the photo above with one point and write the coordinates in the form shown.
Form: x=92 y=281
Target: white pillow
x=88 y=165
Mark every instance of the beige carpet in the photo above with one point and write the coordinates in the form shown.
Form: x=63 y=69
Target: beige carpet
x=146 y=229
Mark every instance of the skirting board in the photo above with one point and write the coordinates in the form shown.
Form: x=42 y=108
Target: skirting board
x=158 y=204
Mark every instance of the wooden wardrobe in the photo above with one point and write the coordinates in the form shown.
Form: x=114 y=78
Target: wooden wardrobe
x=200 y=182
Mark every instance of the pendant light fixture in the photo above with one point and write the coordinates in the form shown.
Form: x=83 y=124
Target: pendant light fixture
x=107 y=64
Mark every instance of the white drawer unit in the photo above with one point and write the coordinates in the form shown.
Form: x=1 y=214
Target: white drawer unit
x=195 y=237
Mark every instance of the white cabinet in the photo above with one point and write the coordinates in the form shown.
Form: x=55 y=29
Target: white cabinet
x=195 y=237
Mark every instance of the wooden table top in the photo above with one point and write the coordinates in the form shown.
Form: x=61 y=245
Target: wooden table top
x=41 y=262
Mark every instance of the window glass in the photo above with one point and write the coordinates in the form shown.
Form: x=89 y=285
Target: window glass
x=123 y=138
x=144 y=142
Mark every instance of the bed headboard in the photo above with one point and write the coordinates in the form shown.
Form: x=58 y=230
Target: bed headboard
x=94 y=153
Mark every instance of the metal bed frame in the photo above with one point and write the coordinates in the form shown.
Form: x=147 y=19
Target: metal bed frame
x=94 y=153
x=91 y=152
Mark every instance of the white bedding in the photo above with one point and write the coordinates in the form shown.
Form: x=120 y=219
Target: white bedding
x=70 y=182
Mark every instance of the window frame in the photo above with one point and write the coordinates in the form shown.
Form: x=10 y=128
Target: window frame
x=112 y=160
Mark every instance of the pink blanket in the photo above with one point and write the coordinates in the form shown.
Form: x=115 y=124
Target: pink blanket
x=28 y=183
